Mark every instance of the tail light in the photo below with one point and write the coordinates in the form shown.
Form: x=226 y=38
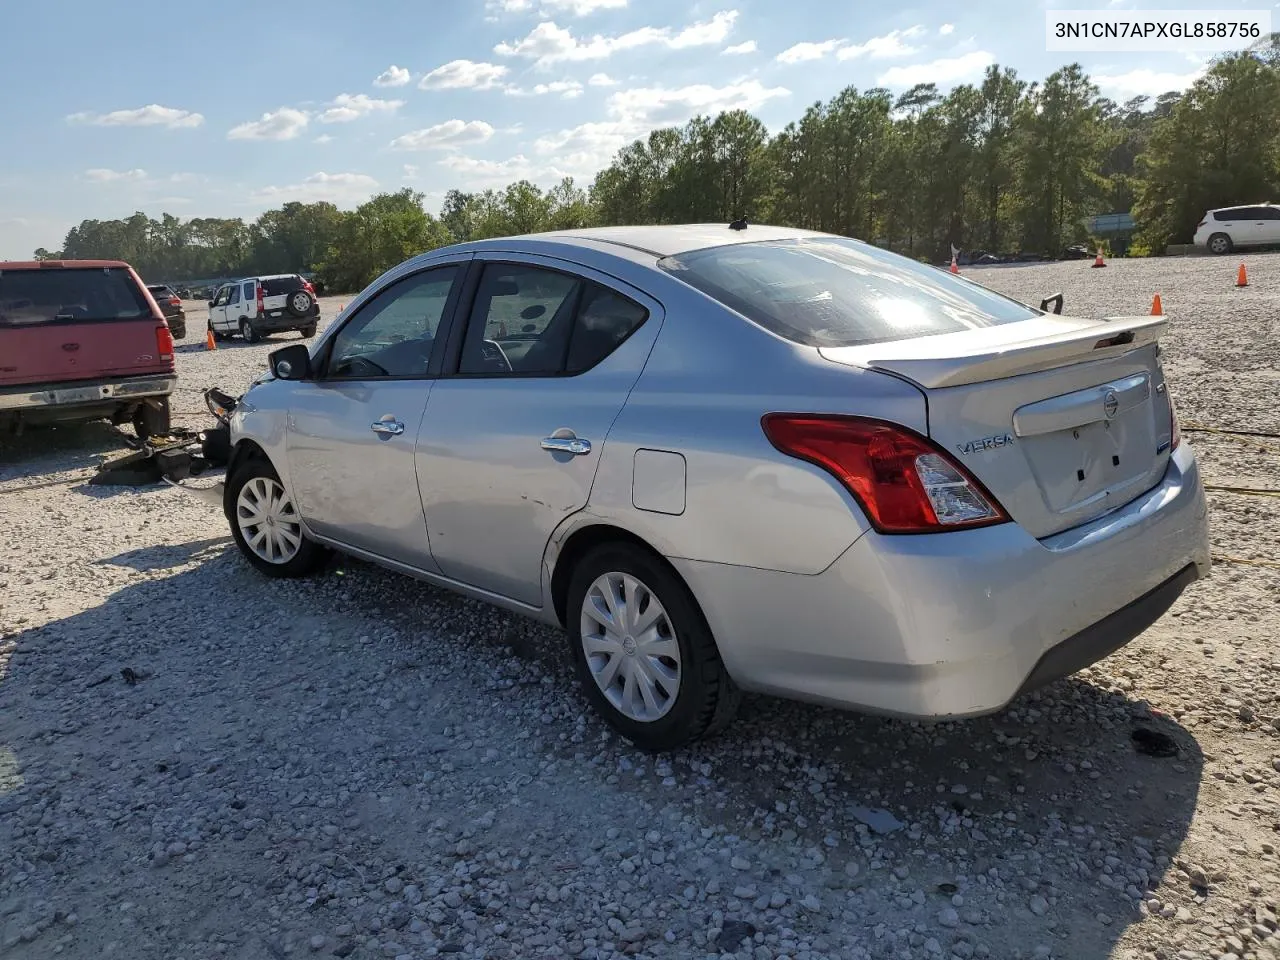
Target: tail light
x=904 y=482
x=164 y=342
x=1175 y=428
x=175 y=301
x=1201 y=224
x=261 y=307
x=306 y=285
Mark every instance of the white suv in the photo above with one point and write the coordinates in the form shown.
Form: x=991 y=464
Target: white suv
x=256 y=306
x=1225 y=229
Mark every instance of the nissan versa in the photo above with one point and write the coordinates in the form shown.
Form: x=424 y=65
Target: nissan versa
x=732 y=458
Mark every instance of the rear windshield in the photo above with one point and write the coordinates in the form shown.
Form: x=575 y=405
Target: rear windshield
x=834 y=292
x=160 y=291
x=29 y=297
x=279 y=286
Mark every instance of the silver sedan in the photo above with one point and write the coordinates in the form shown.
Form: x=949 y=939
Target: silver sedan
x=736 y=458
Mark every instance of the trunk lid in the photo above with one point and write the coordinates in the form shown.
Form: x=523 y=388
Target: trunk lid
x=66 y=323
x=1063 y=419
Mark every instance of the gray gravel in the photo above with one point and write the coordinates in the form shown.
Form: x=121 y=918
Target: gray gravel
x=364 y=766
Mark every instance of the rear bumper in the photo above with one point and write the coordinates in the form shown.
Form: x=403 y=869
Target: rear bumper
x=958 y=624
x=266 y=323
x=85 y=393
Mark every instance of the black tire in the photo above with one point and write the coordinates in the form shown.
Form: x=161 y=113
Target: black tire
x=299 y=303
x=248 y=331
x=310 y=556
x=151 y=419
x=178 y=330
x=1220 y=244
x=308 y=331
x=706 y=699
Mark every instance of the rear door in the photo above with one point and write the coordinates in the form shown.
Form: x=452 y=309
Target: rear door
x=64 y=323
x=1237 y=223
x=275 y=293
x=1267 y=225
x=513 y=433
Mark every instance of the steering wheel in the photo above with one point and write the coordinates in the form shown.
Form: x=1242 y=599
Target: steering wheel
x=491 y=352
x=357 y=367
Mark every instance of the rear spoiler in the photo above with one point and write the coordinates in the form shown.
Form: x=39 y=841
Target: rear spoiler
x=993 y=353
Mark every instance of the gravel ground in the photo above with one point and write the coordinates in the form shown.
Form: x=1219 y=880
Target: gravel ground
x=198 y=763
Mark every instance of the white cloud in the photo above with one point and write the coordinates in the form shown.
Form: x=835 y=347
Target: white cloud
x=567 y=89
x=584 y=149
x=808 y=50
x=602 y=80
x=463 y=75
x=548 y=44
x=393 y=76
x=948 y=70
x=947 y=29
x=323 y=138
x=445 y=136
x=410 y=171
x=343 y=189
x=1143 y=82
x=283 y=124
x=486 y=173
x=346 y=107
x=748 y=46
x=882 y=48
x=152 y=115
x=576 y=8
x=102 y=175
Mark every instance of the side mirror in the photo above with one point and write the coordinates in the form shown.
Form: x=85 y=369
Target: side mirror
x=290 y=363
x=211 y=303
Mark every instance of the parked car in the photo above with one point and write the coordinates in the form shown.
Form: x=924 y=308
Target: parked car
x=1230 y=228
x=171 y=306
x=255 y=307
x=82 y=340
x=736 y=459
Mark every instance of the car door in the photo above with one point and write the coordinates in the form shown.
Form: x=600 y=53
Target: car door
x=1238 y=224
x=1267 y=225
x=249 y=298
x=540 y=363
x=351 y=431
x=218 y=312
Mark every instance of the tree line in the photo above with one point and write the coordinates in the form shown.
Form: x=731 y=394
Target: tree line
x=1002 y=166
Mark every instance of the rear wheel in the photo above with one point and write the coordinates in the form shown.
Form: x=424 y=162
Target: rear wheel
x=248 y=332
x=151 y=419
x=1220 y=243
x=266 y=524
x=643 y=651
x=308 y=331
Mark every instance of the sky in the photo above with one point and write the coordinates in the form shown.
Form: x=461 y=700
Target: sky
x=163 y=106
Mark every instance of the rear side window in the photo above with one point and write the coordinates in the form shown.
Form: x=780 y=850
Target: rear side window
x=1233 y=214
x=62 y=295
x=834 y=292
x=248 y=290
x=279 y=286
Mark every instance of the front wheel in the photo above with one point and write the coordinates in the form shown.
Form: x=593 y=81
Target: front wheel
x=248 y=332
x=266 y=525
x=644 y=654
x=1220 y=244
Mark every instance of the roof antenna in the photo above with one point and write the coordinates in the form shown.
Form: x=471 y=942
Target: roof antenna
x=739 y=224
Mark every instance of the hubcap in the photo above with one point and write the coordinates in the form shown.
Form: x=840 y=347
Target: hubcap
x=268 y=521
x=631 y=647
x=299 y=302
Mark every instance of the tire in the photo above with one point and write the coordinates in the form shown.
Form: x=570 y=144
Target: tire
x=248 y=332
x=1220 y=244
x=308 y=331
x=151 y=419
x=252 y=483
x=299 y=303
x=179 y=330
x=705 y=698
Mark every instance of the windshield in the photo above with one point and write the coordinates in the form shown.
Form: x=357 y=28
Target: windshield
x=835 y=292
x=29 y=297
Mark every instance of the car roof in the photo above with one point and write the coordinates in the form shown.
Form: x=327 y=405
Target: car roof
x=1240 y=206
x=660 y=240
x=70 y=264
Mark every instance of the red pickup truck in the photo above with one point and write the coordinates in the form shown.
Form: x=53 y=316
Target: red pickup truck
x=82 y=340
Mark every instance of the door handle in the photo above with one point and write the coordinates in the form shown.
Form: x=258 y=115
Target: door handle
x=390 y=427
x=575 y=445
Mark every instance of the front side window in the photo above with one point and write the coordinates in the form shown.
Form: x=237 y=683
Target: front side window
x=834 y=292
x=394 y=333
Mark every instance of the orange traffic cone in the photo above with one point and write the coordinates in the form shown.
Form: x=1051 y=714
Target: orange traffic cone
x=1242 y=278
x=209 y=342
x=1098 y=261
x=1157 y=308
x=954 y=268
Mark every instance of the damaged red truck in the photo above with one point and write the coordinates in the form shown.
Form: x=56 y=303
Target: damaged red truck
x=82 y=340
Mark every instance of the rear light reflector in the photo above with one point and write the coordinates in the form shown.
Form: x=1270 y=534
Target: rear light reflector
x=175 y=301
x=164 y=342
x=306 y=285
x=1174 y=427
x=261 y=307
x=903 y=482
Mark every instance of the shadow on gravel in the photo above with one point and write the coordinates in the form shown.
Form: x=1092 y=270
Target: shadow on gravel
x=42 y=450
x=143 y=704
x=167 y=556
